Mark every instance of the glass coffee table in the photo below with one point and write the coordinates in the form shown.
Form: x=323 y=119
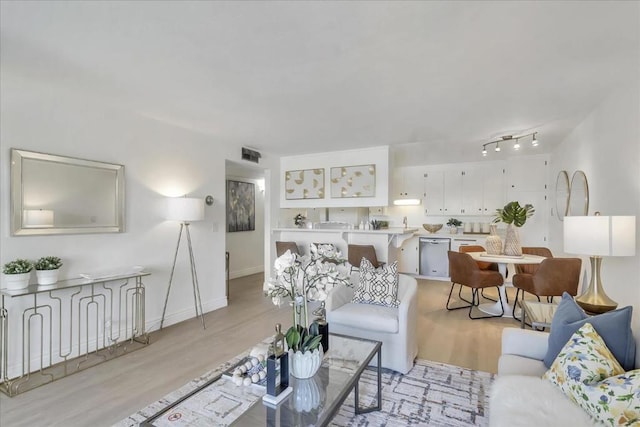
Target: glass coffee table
x=540 y=314
x=314 y=401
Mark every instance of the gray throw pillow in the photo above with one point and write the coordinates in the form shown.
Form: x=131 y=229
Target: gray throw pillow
x=377 y=286
x=614 y=327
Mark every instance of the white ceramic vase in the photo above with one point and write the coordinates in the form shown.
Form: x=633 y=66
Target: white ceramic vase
x=13 y=282
x=493 y=241
x=512 y=246
x=305 y=365
x=47 y=277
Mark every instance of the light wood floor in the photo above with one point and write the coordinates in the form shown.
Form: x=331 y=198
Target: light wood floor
x=104 y=394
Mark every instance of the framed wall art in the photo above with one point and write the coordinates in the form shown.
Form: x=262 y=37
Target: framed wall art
x=241 y=206
x=353 y=181
x=304 y=184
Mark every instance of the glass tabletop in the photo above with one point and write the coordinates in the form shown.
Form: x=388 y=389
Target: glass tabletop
x=539 y=314
x=314 y=401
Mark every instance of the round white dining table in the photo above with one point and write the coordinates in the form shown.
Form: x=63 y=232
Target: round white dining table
x=502 y=261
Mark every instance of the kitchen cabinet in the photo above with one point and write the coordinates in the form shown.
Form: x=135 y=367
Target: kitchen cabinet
x=434 y=192
x=407 y=183
x=408 y=256
x=527 y=173
x=464 y=189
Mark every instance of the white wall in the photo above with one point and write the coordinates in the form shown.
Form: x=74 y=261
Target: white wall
x=606 y=146
x=160 y=160
x=246 y=249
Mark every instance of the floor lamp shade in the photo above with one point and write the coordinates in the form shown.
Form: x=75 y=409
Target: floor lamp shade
x=185 y=209
x=599 y=236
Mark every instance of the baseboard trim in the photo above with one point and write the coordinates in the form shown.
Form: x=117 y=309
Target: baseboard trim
x=246 y=272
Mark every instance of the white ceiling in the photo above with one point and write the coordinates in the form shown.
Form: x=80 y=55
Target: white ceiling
x=433 y=79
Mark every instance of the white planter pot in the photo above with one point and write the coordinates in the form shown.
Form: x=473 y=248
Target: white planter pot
x=16 y=281
x=47 y=277
x=305 y=365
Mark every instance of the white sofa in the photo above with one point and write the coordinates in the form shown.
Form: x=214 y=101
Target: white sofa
x=394 y=327
x=519 y=396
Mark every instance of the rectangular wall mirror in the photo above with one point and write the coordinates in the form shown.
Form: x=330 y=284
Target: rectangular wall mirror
x=53 y=194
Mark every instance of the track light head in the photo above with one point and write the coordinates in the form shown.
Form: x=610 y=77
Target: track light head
x=497 y=147
x=484 y=151
x=534 y=141
x=516 y=145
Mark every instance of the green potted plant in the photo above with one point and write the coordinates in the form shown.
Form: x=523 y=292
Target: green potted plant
x=17 y=274
x=299 y=220
x=453 y=225
x=514 y=216
x=47 y=269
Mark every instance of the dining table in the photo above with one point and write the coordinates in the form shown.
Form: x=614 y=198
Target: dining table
x=503 y=260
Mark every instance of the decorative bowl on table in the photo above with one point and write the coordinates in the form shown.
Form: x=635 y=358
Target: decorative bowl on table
x=432 y=228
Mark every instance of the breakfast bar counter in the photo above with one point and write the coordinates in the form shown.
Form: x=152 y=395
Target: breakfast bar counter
x=386 y=241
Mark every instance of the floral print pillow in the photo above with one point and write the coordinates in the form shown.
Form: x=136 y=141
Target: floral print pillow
x=587 y=372
x=614 y=401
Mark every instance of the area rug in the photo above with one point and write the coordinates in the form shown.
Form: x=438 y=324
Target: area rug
x=431 y=394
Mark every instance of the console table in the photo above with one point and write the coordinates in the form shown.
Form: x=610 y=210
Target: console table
x=49 y=332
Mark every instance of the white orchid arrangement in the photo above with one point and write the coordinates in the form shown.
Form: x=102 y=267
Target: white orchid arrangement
x=302 y=279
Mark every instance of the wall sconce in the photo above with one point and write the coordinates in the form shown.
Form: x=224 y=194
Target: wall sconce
x=507 y=138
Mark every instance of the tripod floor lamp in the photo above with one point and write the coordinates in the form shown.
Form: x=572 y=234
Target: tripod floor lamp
x=185 y=210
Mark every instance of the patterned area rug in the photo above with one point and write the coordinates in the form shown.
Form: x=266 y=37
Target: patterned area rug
x=431 y=394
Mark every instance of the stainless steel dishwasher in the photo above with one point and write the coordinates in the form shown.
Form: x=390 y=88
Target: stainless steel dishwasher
x=434 y=260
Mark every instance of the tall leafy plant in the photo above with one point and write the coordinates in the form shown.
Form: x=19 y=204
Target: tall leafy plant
x=513 y=213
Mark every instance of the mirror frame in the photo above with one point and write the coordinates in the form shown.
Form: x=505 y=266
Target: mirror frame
x=17 y=226
x=579 y=175
x=562 y=185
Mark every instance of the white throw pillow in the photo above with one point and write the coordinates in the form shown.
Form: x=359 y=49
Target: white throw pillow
x=377 y=286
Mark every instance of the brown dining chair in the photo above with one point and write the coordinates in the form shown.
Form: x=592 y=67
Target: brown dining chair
x=282 y=247
x=551 y=278
x=482 y=264
x=464 y=271
x=355 y=253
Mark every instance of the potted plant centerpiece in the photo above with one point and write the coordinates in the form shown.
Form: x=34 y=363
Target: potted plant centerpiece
x=453 y=225
x=17 y=274
x=302 y=279
x=515 y=217
x=47 y=269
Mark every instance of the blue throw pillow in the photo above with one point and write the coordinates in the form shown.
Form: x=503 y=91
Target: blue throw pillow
x=614 y=327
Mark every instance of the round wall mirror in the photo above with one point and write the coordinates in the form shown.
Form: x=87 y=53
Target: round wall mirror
x=562 y=195
x=579 y=195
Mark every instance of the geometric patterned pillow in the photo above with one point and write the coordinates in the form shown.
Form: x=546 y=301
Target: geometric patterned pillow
x=614 y=401
x=585 y=359
x=377 y=286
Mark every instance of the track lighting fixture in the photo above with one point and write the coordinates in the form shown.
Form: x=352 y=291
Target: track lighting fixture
x=516 y=143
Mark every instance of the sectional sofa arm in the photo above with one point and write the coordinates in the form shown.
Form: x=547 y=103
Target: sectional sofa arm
x=524 y=342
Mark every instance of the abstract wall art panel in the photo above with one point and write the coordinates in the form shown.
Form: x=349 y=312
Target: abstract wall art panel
x=304 y=184
x=353 y=181
x=241 y=206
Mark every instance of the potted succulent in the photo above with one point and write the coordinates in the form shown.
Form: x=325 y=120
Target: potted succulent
x=47 y=269
x=17 y=274
x=453 y=225
x=299 y=220
x=515 y=217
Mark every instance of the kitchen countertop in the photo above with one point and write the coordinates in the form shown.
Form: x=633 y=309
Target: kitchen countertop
x=390 y=230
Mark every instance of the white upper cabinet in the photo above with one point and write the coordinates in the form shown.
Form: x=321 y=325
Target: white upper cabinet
x=527 y=173
x=465 y=189
x=434 y=192
x=408 y=183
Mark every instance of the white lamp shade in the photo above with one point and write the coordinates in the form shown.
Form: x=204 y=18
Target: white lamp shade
x=38 y=218
x=600 y=235
x=185 y=209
